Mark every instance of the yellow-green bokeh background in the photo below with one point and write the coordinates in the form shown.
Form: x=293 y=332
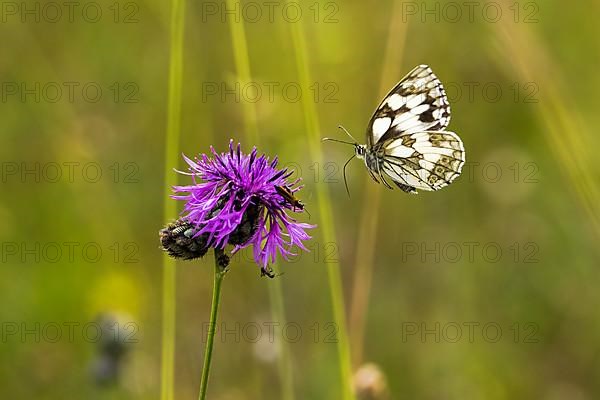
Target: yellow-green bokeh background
x=556 y=211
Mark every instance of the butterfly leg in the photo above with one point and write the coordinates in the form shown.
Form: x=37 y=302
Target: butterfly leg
x=382 y=177
x=373 y=176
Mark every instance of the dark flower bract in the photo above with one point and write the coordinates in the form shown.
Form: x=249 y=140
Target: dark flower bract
x=233 y=200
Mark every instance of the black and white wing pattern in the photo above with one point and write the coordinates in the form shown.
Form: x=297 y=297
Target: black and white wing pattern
x=417 y=103
x=427 y=160
x=407 y=134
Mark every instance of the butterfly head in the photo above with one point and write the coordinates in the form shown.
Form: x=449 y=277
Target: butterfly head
x=360 y=150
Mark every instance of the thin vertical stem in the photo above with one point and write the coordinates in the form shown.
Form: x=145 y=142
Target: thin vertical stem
x=220 y=272
x=367 y=236
x=326 y=216
x=570 y=139
x=171 y=147
x=285 y=361
x=242 y=63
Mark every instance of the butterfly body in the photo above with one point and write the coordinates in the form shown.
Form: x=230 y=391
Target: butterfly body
x=406 y=138
x=371 y=160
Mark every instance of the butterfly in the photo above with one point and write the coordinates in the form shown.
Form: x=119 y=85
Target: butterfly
x=407 y=140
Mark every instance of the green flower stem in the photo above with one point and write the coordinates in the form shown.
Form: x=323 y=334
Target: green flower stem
x=170 y=212
x=220 y=271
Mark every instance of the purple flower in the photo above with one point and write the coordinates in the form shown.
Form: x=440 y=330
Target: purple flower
x=238 y=199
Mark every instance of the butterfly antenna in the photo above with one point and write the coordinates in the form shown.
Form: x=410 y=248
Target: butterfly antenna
x=345 y=180
x=347 y=133
x=353 y=143
x=325 y=139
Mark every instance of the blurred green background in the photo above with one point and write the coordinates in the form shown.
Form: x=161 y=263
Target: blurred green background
x=484 y=290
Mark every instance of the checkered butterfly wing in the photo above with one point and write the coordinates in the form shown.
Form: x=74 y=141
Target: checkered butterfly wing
x=407 y=132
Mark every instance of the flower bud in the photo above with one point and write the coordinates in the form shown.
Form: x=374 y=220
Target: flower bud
x=178 y=240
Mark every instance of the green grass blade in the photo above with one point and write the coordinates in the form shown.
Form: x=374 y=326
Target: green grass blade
x=242 y=63
x=170 y=211
x=367 y=236
x=326 y=217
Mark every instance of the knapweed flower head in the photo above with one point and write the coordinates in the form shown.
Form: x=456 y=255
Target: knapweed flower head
x=238 y=199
